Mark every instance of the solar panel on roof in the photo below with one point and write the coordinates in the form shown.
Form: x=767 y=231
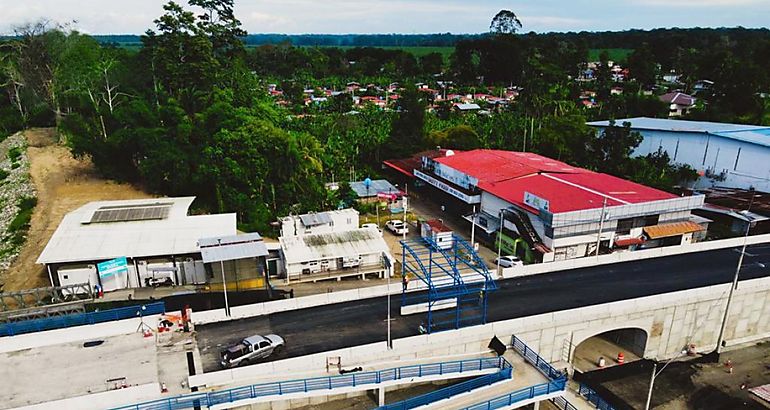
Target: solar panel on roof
x=315 y=219
x=129 y=213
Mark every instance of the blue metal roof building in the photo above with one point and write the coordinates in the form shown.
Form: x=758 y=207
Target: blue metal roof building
x=731 y=155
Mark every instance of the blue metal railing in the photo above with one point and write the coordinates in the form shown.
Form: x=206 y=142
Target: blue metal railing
x=319 y=383
x=521 y=395
x=593 y=397
x=79 y=319
x=562 y=403
x=450 y=391
x=532 y=357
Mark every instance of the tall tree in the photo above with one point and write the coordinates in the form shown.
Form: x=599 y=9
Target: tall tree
x=407 y=132
x=505 y=22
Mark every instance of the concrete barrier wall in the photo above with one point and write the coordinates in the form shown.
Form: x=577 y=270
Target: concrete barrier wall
x=671 y=320
x=74 y=334
x=258 y=309
x=103 y=400
x=588 y=261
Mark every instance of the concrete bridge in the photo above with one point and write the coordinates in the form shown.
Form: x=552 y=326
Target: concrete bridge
x=658 y=327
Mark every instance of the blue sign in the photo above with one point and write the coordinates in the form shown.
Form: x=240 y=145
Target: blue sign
x=112 y=267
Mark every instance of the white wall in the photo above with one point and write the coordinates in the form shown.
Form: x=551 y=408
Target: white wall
x=103 y=400
x=752 y=169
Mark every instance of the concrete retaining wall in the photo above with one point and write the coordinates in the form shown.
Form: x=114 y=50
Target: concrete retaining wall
x=74 y=334
x=266 y=308
x=671 y=320
x=630 y=256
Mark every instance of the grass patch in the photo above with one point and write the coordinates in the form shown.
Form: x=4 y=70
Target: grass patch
x=19 y=226
x=615 y=54
x=14 y=154
x=3 y=175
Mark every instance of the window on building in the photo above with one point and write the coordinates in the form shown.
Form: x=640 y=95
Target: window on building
x=651 y=220
x=624 y=226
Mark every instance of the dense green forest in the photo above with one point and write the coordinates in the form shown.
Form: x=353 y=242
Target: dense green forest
x=188 y=111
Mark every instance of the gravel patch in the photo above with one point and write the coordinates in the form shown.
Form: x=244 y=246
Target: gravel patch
x=15 y=186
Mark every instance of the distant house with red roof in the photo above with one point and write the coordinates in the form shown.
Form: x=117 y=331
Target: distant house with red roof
x=679 y=103
x=551 y=210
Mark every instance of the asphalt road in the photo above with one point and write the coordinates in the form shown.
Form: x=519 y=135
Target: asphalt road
x=360 y=322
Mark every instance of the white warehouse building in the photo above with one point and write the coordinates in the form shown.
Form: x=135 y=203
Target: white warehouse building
x=156 y=237
x=726 y=155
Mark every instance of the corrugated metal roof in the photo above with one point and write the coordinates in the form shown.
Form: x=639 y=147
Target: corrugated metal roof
x=377 y=185
x=662 y=124
x=76 y=240
x=297 y=249
x=671 y=229
x=232 y=247
x=315 y=219
x=229 y=239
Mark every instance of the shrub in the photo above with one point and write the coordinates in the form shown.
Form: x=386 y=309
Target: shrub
x=17 y=229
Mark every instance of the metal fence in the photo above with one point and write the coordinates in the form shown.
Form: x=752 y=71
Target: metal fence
x=532 y=357
x=450 y=391
x=521 y=395
x=593 y=397
x=79 y=319
x=319 y=383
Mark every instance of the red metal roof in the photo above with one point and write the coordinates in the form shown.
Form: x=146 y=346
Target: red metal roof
x=438 y=226
x=618 y=188
x=407 y=165
x=495 y=166
x=561 y=197
x=508 y=175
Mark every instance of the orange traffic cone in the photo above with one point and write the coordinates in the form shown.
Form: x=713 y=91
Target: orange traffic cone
x=621 y=358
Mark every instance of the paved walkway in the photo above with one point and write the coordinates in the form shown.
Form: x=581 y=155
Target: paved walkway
x=365 y=367
x=524 y=375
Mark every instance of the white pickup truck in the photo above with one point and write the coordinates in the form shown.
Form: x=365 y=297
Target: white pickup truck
x=251 y=348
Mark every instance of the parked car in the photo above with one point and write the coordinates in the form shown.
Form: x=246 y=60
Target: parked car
x=251 y=348
x=397 y=226
x=508 y=261
x=372 y=226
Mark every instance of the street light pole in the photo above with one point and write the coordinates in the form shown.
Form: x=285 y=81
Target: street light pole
x=388 y=265
x=224 y=282
x=656 y=373
x=720 y=339
x=601 y=227
x=473 y=226
x=500 y=238
x=652 y=383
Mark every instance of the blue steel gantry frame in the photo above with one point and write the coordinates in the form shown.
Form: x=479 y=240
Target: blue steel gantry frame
x=450 y=274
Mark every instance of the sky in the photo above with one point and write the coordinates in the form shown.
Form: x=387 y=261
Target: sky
x=401 y=16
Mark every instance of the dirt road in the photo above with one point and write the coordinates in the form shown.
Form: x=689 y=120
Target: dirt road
x=63 y=184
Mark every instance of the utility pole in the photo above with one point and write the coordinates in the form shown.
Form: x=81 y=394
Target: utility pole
x=720 y=339
x=601 y=226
